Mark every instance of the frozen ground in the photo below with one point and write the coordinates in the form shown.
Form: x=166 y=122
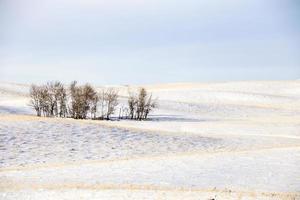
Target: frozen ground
x=236 y=140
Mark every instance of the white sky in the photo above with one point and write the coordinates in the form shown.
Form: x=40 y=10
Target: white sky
x=150 y=41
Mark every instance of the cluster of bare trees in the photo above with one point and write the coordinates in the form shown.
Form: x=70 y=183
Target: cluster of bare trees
x=49 y=99
x=108 y=101
x=141 y=104
x=83 y=101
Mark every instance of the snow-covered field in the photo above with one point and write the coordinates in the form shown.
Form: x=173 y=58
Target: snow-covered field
x=231 y=140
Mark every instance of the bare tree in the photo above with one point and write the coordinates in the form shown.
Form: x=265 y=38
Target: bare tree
x=150 y=105
x=76 y=95
x=132 y=103
x=94 y=106
x=123 y=112
x=73 y=108
x=45 y=101
x=111 y=98
x=35 y=99
x=89 y=95
x=102 y=102
x=141 y=102
x=62 y=100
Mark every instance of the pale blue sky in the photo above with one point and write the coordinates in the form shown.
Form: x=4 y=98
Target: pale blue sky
x=149 y=41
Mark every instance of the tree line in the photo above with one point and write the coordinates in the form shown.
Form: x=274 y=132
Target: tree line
x=53 y=99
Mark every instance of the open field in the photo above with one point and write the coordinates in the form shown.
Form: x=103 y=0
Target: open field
x=231 y=140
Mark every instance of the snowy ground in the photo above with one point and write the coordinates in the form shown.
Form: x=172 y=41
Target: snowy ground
x=236 y=140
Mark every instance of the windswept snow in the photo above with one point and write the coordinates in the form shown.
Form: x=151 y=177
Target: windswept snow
x=14 y=99
x=231 y=140
x=66 y=140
